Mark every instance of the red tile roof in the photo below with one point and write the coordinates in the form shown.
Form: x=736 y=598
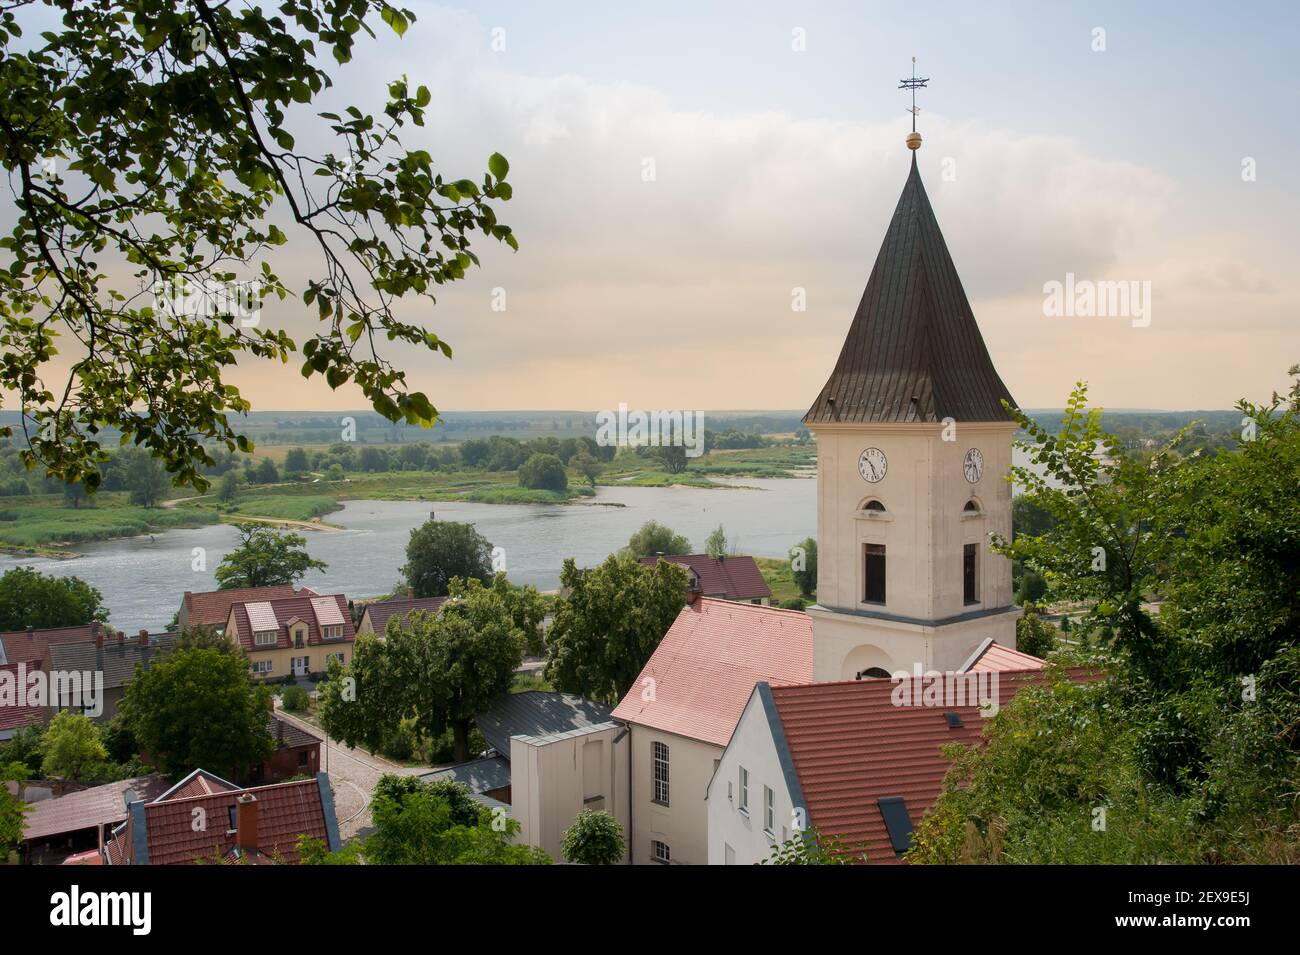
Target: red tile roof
x=97 y=806
x=286 y=608
x=284 y=811
x=212 y=608
x=198 y=783
x=851 y=746
x=707 y=664
x=733 y=578
x=15 y=715
x=32 y=646
x=381 y=611
x=994 y=656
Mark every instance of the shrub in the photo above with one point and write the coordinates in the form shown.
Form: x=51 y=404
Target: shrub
x=295 y=699
x=595 y=838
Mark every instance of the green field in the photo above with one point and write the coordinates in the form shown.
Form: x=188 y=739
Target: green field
x=780 y=579
x=43 y=528
x=291 y=507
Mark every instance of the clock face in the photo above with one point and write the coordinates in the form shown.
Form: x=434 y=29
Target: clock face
x=973 y=465
x=872 y=465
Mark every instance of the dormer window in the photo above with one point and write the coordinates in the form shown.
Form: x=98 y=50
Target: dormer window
x=333 y=632
x=265 y=638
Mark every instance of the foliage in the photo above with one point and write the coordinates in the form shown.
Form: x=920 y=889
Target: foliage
x=543 y=472
x=715 y=545
x=611 y=622
x=439 y=669
x=29 y=598
x=441 y=550
x=148 y=144
x=206 y=638
x=803 y=565
x=72 y=747
x=228 y=488
x=1188 y=751
x=419 y=823
x=654 y=538
x=265 y=557
x=12 y=809
x=1034 y=635
x=587 y=465
x=812 y=847
x=145 y=479
x=595 y=838
x=295 y=699
x=199 y=708
x=526 y=606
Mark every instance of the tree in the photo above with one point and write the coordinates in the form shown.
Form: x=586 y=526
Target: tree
x=295 y=461
x=672 y=458
x=613 y=619
x=527 y=607
x=586 y=465
x=72 y=747
x=12 y=808
x=441 y=550
x=715 y=545
x=266 y=472
x=595 y=838
x=1034 y=635
x=1188 y=742
x=206 y=638
x=228 y=489
x=176 y=117
x=75 y=494
x=803 y=566
x=265 y=557
x=29 y=598
x=654 y=538
x=199 y=708
x=440 y=669
x=1032 y=588
x=543 y=472
x=146 y=481
x=420 y=823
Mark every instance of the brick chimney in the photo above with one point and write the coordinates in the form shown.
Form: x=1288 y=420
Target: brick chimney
x=121 y=637
x=246 y=822
x=410 y=593
x=144 y=638
x=279 y=733
x=97 y=631
x=30 y=635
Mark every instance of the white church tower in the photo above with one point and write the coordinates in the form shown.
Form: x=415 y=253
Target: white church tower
x=913 y=444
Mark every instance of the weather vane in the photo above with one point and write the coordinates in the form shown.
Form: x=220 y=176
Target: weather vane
x=913 y=84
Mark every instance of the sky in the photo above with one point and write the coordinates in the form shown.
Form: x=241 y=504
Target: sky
x=776 y=132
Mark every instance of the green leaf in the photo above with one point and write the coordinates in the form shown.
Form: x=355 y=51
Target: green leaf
x=498 y=166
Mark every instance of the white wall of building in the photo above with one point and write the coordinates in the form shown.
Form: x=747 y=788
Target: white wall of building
x=736 y=836
x=683 y=824
x=553 y=778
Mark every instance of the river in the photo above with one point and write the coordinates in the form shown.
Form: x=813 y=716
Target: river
x=143 y=579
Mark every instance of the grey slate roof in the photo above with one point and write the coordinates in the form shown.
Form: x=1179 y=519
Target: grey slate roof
x=536 y=713
x=480 y=775
x=116 y=659
x=382 y=610
x=913 y=352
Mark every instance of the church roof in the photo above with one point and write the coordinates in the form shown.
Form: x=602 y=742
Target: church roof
x=913 y=352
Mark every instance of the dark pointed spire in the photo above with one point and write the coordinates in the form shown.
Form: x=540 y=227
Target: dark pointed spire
x=913 y=352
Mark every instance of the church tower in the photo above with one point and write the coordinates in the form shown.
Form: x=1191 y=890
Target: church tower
x=913 y=445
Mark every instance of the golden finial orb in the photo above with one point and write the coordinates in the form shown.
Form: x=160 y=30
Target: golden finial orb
x=913 y=140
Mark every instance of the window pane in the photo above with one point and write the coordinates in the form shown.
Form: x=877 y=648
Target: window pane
x=970 y=560
x=874 y=566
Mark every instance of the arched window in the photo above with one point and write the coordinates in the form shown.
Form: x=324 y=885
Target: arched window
x=872 y=673
x=972 y=507
x=874 y=505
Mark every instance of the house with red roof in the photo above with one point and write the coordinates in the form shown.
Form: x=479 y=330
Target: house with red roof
x=24 y=653
x=860 y=760
x=212 y=608
x=683 y=710
x=729 y=577
x=375 y=616
x=292 y=636
x=204 y=818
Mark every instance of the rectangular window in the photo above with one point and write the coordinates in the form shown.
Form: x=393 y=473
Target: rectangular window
x=969 y=573
x=769 y=811
x=874 y=572
x=262 y=666
x=265 y=638
x=332 y=632
x=335 y=656
x=660 y=850
x=660 y=755
x=744 y=789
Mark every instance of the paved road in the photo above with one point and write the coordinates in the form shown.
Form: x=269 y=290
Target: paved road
x=353 y=774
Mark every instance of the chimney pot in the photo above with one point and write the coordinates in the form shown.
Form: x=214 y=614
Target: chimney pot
x=144 y=638
x=98 y=633
x=246 y=822
x=410 y=593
